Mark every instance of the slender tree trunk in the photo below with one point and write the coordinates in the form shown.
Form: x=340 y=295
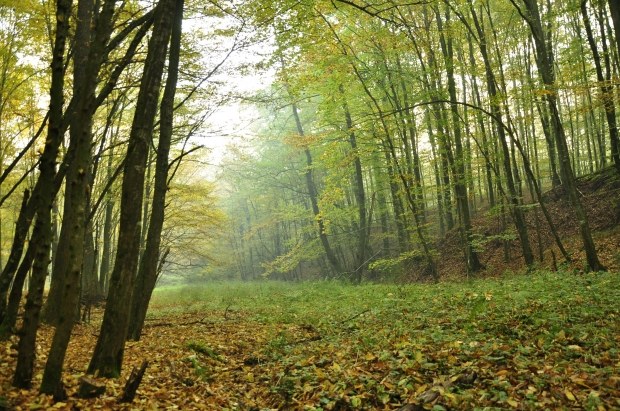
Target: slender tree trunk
x=513 y=200
x=107 y=358
x=147 y=272
x=544 y=60
x=106 y=252
x=614 y=8
x=7 y=326
x=43 y=197
x=21 y=232
x=360 y=197
x=314 y=200
x=458 y=162
x=605 y=86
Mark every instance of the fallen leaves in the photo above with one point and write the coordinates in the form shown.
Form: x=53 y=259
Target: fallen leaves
x=538 y=342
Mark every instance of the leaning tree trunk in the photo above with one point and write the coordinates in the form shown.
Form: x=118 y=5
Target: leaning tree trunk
x=43 y=198
x=15 y=296
x=108 y=354
x=21 y=232
x=148 y=271
x=88 y=58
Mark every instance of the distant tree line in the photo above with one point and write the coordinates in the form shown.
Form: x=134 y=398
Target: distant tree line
x=393 y=123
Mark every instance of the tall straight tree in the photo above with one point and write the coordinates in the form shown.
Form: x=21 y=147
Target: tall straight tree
x=614 y=8
x=496 y=109
x=605 y=85
x=314 y=199
x=546 y=70
x=147 y=273
x=360 y=195
x=107 y=358
x=458 y=163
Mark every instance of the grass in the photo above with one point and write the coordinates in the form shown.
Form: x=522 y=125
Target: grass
x=537 y=341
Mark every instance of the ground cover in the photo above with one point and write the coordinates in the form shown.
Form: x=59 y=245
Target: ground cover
x=539 y=341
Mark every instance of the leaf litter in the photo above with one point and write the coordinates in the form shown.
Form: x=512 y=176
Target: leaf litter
x=547 y=340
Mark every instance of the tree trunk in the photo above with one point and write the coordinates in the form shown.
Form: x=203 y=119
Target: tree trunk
x=88 y=59
x=106 y=252
x=458 y=162
x=108 y=354
x=605 y=86
x=314 y=200
x=147 y=273
x=10 y=319
x=513 y=199
x=614 y=8
x=43 y=197
x=360 y=197
x=22 y=225
x=544 y=61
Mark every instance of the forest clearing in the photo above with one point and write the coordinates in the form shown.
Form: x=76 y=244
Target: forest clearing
x=309 y=204
x=541 y=341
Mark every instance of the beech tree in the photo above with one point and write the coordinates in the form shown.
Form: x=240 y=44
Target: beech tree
x=108 y=355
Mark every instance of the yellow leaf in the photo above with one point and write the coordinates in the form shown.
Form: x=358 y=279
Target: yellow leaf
x=512 y=403
x=569 y=395
x=421 y=388
x=419 y=357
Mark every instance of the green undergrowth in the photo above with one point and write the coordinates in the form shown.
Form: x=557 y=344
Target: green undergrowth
x=537 y=341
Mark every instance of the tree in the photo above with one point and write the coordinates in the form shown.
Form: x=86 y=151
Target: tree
x=91 y=53
x=108 y=355
x=544 y=62
x=149 y=263
x=42 y=198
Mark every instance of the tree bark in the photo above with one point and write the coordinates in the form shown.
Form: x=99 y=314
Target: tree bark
x=614 y=8
x=21 y=232
x=147 y=273
x=106 y=252
x=314 y=200
x=458 y=162
x=43 y=197
x=513 y=200
x=10 y=319
x=108 y=354
x=88 y=59
x=360 y=197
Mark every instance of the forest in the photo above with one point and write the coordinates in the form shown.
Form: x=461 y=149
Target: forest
x=309 y=204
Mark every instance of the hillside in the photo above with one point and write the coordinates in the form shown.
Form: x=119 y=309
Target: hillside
x=601 y=197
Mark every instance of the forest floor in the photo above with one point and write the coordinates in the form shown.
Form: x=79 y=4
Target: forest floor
x=502 y=340
x=600 y=195
x=547 y=340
